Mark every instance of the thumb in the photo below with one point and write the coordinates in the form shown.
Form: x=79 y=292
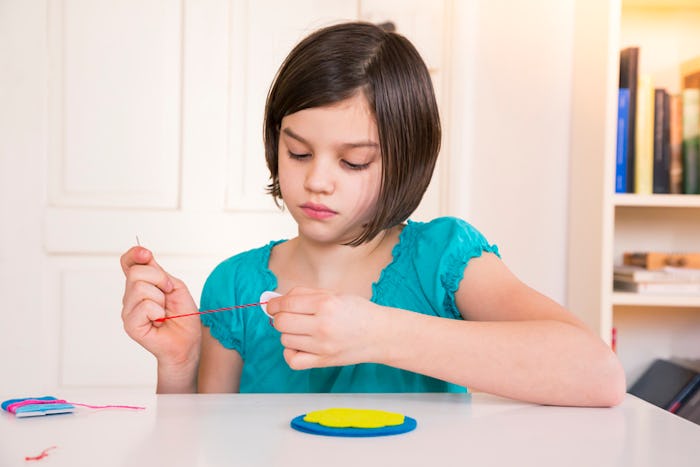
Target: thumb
x=141 y=256
x=133 y=256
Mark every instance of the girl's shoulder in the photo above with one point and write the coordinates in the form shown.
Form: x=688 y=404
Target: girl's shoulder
x=444 y=232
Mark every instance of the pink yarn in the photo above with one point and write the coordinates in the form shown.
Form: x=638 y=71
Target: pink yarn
x=12 y=408
x=130 y=407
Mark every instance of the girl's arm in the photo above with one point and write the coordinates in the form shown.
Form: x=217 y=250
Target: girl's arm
x=189 y=358
x=219 y=368
x=151 y=293
x=514 y=342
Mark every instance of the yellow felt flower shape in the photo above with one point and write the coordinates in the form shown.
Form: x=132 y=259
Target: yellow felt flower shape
x=354 y=418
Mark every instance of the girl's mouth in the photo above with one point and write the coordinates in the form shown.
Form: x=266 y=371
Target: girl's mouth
x=317 y=211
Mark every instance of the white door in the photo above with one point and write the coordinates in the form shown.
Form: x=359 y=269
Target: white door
x=125 y=118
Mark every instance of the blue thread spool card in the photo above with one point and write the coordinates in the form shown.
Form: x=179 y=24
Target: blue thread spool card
x=47 y=405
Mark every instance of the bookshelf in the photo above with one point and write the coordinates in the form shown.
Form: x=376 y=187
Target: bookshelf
x=603 y=224
x=661 y=201
x=635 y=299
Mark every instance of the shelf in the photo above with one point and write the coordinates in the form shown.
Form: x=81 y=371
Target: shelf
x=670 y=201
x=634 y=299
x=668 y=4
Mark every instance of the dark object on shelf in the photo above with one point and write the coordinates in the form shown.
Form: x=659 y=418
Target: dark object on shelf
x=672 y=386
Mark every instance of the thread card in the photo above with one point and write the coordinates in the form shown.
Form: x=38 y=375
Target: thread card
x=37 y=406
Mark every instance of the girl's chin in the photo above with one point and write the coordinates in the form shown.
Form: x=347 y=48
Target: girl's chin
x=326 y=236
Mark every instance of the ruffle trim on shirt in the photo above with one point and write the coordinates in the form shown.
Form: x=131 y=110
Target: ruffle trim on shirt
x=393 y=269
x=456 y=264
x=218 y=330
x=221 y=325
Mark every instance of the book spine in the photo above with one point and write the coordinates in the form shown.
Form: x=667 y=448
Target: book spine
x=691 y=141
x=622 y=135
x=676 y=145
x=661 y=150
x=629 y=64
x=644 y=146
x=667 y=143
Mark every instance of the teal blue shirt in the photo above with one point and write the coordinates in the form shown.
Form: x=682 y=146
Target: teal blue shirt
x=427 y=267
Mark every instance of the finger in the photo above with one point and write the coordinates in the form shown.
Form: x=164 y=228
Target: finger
x=301 y=360
x=139 y=291
x=150 y=310
x=139 y=255
x=135 y=255
x=300 y=303
x=138 y=321
x=300 y=343
x=151 y=274
x=294 y=323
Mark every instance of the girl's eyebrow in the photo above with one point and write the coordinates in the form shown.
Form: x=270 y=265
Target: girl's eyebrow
x=358 y=144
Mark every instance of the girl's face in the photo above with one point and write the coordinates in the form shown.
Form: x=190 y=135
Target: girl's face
x=330 y=169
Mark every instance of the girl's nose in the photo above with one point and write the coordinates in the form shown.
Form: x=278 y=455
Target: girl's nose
x=319 y=177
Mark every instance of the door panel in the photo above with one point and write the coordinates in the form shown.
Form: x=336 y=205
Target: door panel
x=139 y=118
x=114 y=103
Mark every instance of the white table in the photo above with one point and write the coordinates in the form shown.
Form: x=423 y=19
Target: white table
x=253 y=430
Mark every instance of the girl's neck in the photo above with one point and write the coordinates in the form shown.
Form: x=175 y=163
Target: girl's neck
x=335 y=267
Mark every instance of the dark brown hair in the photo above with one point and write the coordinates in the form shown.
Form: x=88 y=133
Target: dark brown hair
x=334 y=63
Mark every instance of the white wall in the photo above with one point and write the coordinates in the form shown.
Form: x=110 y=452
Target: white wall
x=510 y=114
x=22 y=193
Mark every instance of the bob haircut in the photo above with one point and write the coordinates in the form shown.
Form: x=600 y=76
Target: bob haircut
x=333 y=64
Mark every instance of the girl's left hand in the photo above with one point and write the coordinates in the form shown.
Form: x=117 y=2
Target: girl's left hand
x=321 y=328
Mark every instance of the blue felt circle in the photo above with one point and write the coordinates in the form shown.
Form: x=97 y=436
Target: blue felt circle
x=299 y=424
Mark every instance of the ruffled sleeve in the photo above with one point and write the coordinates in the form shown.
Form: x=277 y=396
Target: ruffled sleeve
x=443 y=249
x=239 y=280
x=219 y=292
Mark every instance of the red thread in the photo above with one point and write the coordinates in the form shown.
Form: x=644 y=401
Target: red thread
x=160 y=320
x=43 y=454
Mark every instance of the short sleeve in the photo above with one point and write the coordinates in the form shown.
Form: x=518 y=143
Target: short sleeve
x=219 y=292
x=238 y=280
x=443 y=248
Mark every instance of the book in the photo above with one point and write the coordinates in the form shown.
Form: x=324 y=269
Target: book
x=676 y=144
x=621 y=155
x=691 y=141
x=629 y=75
x=690 y=73
x=661 y=178
x=690 y=80
x=644 y=136
x=667 y=274
x=658 y=260
x=666 y=384
x=690 y=408
x=684 y=394
x=658 y=288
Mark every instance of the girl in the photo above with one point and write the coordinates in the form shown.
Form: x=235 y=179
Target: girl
x=369 y=302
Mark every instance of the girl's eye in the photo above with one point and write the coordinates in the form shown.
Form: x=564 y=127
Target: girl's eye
x=298 y=156
x=352 y=166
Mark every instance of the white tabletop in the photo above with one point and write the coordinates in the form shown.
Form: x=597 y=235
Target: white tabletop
x=253 y=430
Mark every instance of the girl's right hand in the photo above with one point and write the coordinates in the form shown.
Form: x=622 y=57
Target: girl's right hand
x=151 y=293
